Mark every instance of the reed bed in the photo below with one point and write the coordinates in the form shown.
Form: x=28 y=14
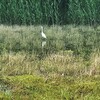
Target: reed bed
x=50 y=12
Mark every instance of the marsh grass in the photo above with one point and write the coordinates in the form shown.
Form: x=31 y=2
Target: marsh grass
x=67 y=49
x=31 y=87
x=66 y=67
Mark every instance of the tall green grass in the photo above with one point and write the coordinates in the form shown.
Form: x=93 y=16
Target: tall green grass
x=70 y=50
x=28 y=39
x=49 y=12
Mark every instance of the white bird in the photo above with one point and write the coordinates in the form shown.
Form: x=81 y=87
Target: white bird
x=43 y=43
x=42 y=33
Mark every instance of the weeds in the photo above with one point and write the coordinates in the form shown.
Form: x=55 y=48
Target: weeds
x=67 y=67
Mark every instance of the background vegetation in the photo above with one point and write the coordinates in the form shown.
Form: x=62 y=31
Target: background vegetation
x=49 y=12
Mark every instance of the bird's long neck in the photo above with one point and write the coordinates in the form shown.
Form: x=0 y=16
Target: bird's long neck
x=41 y=29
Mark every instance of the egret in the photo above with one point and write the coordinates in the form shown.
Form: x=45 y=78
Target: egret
x=43 y=43
x=42 y=33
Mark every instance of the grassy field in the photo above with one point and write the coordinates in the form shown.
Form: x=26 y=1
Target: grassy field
x=65 y=66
